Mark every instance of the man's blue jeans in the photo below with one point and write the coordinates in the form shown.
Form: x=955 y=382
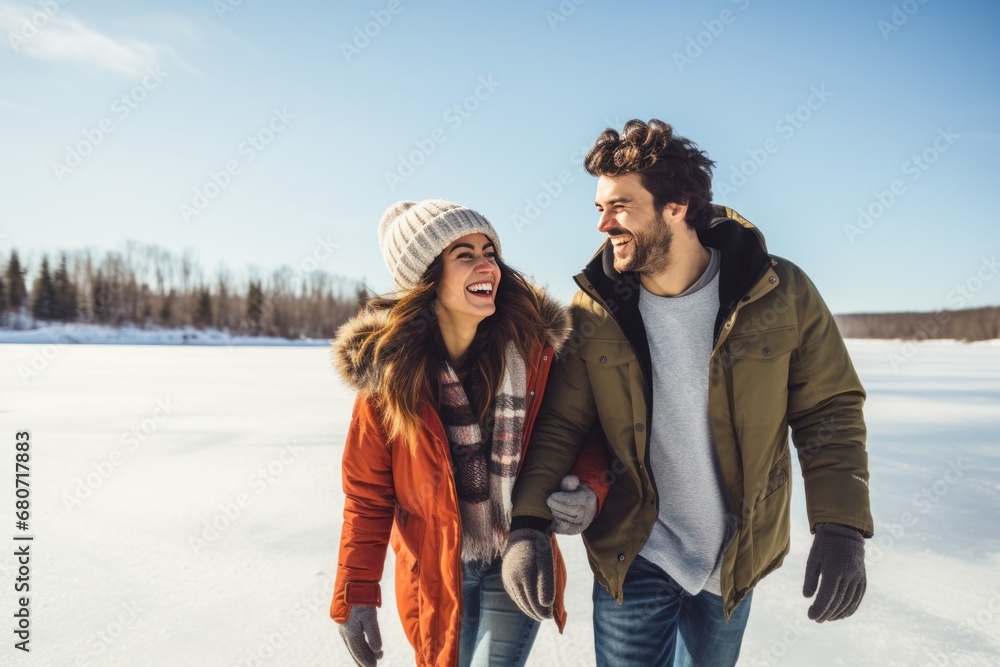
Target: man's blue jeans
x=660 y=624
x=494 y=629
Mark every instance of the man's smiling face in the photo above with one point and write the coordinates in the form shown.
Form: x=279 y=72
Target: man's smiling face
x=638 y=232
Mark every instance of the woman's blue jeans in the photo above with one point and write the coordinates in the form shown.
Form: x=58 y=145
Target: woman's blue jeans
x=494 y=630
x=661 y=624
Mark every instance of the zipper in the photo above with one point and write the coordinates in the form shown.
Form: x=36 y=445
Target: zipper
x=450 y=482
x=534 y=393
x=648 y=399
x=723 y=333
x=721 y=337
x=732 y=411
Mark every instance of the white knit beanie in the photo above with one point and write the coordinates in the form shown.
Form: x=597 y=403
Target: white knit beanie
x=411 y=234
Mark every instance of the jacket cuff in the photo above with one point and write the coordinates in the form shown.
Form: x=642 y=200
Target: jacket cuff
x=846 y=530
x=536 y=522
x=864 y=527
x=598 y=487
x=362 y=593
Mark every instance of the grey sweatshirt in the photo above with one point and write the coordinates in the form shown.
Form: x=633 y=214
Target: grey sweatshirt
x=687 y=537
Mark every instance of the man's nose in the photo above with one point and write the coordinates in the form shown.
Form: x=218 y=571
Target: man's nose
x=606 y=222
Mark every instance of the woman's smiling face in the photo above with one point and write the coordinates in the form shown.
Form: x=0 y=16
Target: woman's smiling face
x=469 y=278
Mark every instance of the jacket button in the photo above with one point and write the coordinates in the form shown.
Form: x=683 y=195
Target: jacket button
x=773 y=279
x=639 y=426
x=766 y=352
x=603 y=359
x=641 y=467
x=532 y=393
x=545 y=357
x=621 y=558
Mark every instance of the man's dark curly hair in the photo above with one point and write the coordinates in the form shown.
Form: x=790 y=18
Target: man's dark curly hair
x=673 y=169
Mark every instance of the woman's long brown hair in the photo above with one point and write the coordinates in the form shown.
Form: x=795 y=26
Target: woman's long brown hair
x=409 y=348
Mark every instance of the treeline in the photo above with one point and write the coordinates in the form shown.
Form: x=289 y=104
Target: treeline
x=968 y=325
x=147 y=286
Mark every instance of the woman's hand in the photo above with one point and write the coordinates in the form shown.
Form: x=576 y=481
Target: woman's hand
x=528 y=573
x=573 y=507
x=362 y=622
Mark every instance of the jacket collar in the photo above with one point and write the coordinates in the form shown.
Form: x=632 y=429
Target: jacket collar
x=744 y=257
x=357 y=366
x=744 y=261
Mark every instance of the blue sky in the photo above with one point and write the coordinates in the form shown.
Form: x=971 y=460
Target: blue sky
x=261 y=134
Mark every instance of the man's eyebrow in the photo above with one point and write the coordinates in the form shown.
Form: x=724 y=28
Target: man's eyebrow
x=616 y=200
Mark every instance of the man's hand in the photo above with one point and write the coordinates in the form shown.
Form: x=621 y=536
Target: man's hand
x=573 y=506
x=528 y=572
x=360 y=622
x=838 y=554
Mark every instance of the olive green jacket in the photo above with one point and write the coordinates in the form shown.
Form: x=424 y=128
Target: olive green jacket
x=778 y=360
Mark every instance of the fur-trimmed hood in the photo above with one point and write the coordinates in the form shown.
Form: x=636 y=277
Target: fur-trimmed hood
x=358 y=368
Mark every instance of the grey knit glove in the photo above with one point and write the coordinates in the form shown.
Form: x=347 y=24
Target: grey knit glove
x=573 y=506
x=362 y=621
x=528 y=572
x=838 y=554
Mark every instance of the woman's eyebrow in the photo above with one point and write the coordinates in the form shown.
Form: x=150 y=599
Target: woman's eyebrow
x=488 y=244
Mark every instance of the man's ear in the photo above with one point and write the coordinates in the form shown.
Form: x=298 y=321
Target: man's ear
x=673 y=213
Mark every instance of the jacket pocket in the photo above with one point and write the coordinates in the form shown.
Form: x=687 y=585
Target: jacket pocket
x=607 y=353
x=407 y=574
x=777 y=477
x=758 y=382
x=770 y=529
x=765 y=345
x=613 y=373
x=407 y=588
x=409 y=528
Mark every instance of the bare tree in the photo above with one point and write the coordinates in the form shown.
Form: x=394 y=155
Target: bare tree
x=146 y=285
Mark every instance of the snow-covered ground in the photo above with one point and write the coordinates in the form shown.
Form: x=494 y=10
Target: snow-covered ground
x=55 y=333
x=186 y=506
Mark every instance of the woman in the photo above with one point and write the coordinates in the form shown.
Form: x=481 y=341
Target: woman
x=450 y=373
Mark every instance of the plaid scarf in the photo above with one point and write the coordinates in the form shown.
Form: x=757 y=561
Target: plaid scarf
x=484 y=475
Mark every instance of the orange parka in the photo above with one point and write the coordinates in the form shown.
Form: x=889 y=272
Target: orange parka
x=409 y=500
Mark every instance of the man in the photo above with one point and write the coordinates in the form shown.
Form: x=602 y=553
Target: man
x=695 y=350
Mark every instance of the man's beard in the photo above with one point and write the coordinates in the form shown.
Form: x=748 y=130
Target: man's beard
x=650 y=250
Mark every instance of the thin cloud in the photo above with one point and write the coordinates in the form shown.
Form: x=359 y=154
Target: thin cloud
x=13 y=106
x=64 y=38
x=985 y=136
